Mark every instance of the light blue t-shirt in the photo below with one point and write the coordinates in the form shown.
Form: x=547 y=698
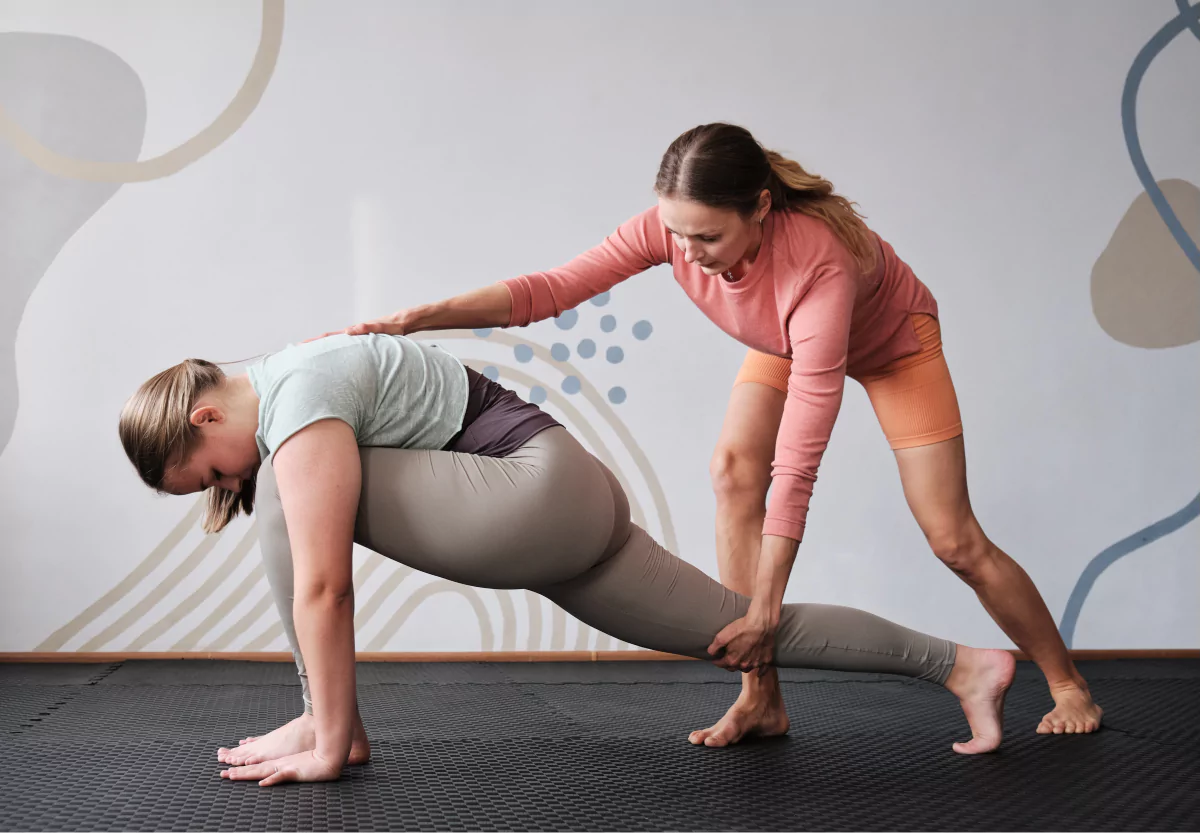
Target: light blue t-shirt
x=391 y=390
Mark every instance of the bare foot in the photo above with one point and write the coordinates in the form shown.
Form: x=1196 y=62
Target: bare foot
x=1074 y=713
x=299 y=735
x=758 y=712
x=981 y=679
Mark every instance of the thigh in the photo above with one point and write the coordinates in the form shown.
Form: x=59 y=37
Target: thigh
x=539 y=515
x=754 y=410
x=934 y=478
x=914 y=397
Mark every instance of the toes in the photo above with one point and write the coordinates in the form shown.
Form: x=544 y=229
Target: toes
x=716 y=741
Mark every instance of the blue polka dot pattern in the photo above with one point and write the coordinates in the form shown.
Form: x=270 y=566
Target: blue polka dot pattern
x=615 y=355
x=601 y=300
x=571 y=385
x=537 y=394
x=586 y=348
x=643 y=330
x=608 y=323
x=560 y=352
x=617 y=395
x=491 y=372
x=567 y=320
x=523 y=353
x=483 y=332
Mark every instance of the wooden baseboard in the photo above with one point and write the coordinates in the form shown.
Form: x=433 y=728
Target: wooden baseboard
x=487 y=656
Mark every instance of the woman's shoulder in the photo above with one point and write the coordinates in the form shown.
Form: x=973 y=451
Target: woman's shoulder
x=808 y=243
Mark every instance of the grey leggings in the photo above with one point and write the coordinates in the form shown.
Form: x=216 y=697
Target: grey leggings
x=551 y=518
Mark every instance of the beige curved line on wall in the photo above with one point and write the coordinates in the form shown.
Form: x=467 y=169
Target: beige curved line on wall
x=191 y=640
x=382 y=593
x=156 y=594
x=172 y=617
x=178 y=158
x=402 y=614
x=239 y=628
x=603 y=408
x=508 y=621
x=558 y=629
x=56 y=640
x=275 y=630
x=533 y=604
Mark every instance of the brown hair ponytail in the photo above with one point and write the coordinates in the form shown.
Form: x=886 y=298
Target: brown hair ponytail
x=723 y=166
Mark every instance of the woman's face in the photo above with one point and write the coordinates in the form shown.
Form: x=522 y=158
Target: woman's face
x=713 y=238
x=226 y=454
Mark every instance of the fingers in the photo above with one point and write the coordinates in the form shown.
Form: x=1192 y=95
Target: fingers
x=278 y=777
x=250 y=772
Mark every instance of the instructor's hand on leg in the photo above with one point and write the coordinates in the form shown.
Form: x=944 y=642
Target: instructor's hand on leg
x=745 y=644
x=303 y=766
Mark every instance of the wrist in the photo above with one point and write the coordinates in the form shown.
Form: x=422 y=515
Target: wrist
x=763 y=613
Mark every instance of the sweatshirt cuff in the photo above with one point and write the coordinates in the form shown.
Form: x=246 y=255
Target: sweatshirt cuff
x=784 y=528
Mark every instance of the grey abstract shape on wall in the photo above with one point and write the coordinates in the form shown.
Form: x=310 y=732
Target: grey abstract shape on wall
x=81 y=99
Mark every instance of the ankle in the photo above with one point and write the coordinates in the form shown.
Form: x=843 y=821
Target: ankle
x=766 y=687
x=1068 y=685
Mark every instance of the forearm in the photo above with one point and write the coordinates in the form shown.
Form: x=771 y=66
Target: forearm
x=489 y=306
x=776 y=558
x=325 y=631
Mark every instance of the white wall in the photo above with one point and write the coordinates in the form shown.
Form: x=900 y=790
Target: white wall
x=406 y=151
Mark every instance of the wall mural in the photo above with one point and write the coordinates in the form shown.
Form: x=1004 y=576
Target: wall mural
x=1145 y=287
x=92 y=107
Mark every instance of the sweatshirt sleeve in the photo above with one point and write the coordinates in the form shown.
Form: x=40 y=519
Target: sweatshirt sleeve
x=640 y=243
x=819 y=330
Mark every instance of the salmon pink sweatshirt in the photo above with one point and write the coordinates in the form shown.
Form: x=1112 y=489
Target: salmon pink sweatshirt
x=803 y=297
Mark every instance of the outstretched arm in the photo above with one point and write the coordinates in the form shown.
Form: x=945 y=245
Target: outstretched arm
x=637 y=245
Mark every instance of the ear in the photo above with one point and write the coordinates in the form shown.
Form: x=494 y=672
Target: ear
x=206 y=414
x=764 y=205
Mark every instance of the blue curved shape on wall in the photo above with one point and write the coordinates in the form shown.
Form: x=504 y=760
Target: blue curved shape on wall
x=1187 y=19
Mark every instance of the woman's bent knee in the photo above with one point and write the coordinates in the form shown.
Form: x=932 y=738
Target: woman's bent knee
x=739 y=477
x=967 y=552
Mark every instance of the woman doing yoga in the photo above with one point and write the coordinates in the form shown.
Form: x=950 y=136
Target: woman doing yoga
x=397 y=446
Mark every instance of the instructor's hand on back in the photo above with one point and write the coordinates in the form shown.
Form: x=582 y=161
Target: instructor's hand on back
x=396 y=324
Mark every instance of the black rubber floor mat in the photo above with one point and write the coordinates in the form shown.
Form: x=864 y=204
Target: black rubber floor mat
x=602 y=755
x=882 y=782
x=653 y=671
x=201 y=672
x=434 y=673
x=208 y=715
x=26 y=707
x=44 y=673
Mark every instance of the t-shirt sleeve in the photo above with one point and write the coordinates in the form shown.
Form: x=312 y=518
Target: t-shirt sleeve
x=303 y=396
x=637 y=245
x=819 y=331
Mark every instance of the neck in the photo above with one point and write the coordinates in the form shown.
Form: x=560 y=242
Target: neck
x=740 y=268
x=239 y=393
